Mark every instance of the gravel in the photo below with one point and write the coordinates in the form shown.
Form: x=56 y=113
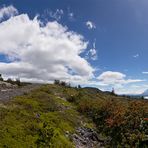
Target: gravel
x=10 y=92
x=88 y=138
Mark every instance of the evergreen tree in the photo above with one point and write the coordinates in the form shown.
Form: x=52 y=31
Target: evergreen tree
x=1 y=79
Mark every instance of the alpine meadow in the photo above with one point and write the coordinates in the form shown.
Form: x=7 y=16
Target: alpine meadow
x=73 y=74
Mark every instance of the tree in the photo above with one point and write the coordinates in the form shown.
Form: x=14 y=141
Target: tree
x=142 y=97
x=18 y=82
x=1 y=79
x=79 y=86
x=9 y=80
x=113 y=91
x=63 y=83
x=57 y=82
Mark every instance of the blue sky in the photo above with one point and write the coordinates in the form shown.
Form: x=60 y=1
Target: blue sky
x=115 y=32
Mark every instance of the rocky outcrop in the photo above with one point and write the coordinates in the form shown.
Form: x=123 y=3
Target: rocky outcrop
x=5 y=85
x=88 y=138
x=9 y=91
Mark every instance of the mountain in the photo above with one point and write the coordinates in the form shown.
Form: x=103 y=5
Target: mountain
x=145 y=93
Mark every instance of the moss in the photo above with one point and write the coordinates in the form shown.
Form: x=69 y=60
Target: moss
x=60 y=141
x=34 y=120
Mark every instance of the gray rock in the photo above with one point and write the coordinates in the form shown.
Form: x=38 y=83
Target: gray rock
x=87 y=138
x=9 y=93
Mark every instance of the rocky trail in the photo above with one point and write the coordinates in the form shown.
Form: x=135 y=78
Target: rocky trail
x=88 y=138
x=84 y=137
x=7 y=93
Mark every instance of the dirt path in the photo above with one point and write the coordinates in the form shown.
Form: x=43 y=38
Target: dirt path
x=6 y=94
x=84 y=137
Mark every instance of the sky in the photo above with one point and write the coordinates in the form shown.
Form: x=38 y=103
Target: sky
x=97 y=43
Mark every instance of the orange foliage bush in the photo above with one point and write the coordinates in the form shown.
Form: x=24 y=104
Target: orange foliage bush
x=119 y=119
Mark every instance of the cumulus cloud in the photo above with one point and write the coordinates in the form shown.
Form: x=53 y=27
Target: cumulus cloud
x=132 y=89
x=42 y=53
x=8 y=12
x=115 y=78
x=90 y=25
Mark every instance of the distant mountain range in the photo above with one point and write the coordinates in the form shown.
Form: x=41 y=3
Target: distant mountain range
x=145 y=93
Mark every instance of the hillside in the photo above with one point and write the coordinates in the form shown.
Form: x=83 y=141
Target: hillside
x=64 y=117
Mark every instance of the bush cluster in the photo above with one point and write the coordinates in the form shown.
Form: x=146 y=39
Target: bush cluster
x=125 y=122
x=62 y=83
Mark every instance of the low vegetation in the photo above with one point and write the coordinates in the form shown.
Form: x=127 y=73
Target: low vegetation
x=49 y=116
x=125 y=122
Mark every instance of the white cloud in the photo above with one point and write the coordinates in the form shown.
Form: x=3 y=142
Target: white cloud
x=115 y=78
x=90 y=25
x=42 y=53
x=8 y=12
x=92 y=53
x=133 y=89
x=121 y=83
x=71 y=16
x=145 y=72
x=57 y=15
x=136 y=56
